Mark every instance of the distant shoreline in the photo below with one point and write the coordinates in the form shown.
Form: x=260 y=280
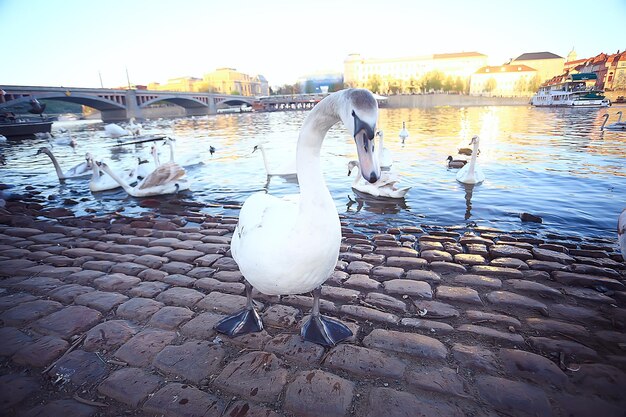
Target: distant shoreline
x=452 y=100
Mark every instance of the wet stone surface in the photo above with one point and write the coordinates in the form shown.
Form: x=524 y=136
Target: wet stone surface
x=446 y=321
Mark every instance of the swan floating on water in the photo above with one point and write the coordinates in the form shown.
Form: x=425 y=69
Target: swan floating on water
x=619 y=125
x=404 y=134
x=621 y=233
x=287 y=168
x=385 y=156
x=81 y=170
x=291 y=245
x=165 y=179
x=101 y=181
x=115 y=131
x=455 y=163
x=197 y=160
x=471 y=173
x=134 y=128
x=384 y=187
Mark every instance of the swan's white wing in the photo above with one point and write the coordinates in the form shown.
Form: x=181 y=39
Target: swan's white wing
x=164 y=174
x=265 y=229
x=84 y=168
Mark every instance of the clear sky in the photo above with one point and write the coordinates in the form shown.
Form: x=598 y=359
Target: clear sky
x=71 y=42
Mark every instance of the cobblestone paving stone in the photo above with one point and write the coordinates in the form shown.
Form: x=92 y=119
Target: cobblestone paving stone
x=112 y=315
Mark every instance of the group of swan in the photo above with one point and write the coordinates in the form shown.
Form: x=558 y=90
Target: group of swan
x=290 y=245
x=619 y=125
x=157 y=179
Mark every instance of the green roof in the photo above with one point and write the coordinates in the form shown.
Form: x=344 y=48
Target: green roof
x=583 y=76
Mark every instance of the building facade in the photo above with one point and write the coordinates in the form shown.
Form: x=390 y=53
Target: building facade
x=176 y=84
x=616 y=72
x=360 y=71
x=230 y=81
x=504 y=80
x=222 y=80
x=547 y=64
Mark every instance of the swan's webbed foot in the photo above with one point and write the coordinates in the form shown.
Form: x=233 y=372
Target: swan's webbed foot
x=246 y=321
x=324 y=331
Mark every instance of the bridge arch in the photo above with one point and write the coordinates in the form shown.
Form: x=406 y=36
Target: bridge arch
x=186 y=102
x=96 y=102
x=235 y=101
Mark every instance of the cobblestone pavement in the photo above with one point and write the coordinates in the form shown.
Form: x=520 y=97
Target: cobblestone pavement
x=112 y=316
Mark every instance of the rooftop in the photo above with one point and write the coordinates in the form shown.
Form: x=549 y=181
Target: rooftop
x=537 y=55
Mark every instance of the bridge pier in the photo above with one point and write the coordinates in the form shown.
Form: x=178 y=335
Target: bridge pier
x=111 y=116
x=196 y=111
x=132 y=108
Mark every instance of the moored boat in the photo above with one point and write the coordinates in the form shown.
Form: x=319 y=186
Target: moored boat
x=12 y=126
x=571 y=92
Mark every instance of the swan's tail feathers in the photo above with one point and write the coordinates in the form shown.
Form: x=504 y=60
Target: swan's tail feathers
x=324 y=331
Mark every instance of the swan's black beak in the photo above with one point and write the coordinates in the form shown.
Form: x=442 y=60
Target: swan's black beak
x=255 y=148
x=368 y=160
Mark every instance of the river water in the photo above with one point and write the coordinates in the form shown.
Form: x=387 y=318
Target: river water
x=554 y=163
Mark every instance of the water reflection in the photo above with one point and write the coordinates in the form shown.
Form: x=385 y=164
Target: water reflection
x=375 y=205
x=469 y=191
x=554 y=163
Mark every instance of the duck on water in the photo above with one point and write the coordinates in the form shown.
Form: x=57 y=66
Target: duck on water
x=290 y=245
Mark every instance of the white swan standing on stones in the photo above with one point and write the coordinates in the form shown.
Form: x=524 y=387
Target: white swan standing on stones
x=384 y=187
x=385 y=156
x=404 y=134
x=287 y=168
x=621 y=233
x=290 y=245
x=81 y=170
x=166 y=179
x=471 y=173
x=619 y=125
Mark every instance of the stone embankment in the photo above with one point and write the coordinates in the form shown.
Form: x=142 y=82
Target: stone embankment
x=111 y=316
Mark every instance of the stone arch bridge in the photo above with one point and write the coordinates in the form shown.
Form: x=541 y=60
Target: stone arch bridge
x=116 y=104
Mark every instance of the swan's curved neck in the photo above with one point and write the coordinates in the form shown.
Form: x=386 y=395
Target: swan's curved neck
x=606 y=117
x=619 y=120
x=57 y=167
x=119 y=180
x=472 y=163
x=267 y=168
x=313 y=191
x=357 y=176
x=171 y=151
x=95 y=170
